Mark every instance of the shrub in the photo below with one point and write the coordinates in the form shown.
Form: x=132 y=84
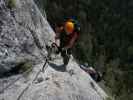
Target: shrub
x=108 y=98
x=22 y=67
x=11 y=4
x=26 y=66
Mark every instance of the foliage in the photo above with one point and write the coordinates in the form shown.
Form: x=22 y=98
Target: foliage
x=24 y=66
x=106 y=29
x=11 y=3
x=108 y=98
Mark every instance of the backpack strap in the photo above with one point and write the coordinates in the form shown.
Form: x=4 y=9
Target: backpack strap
x=76 y=25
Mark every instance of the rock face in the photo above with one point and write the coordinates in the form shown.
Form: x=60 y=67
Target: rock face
x=54 y=84
x=23 y=34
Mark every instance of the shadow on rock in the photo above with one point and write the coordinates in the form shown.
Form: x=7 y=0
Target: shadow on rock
x=60 y=68
x=13 y=71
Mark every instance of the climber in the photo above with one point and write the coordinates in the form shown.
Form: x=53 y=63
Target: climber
x=67 y=34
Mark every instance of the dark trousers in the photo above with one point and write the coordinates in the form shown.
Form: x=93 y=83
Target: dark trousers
x=65 y=55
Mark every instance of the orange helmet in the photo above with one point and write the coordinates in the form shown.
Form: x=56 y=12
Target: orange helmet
x=69 y=27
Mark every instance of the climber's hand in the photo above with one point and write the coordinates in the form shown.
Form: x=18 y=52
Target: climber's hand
x=54 y=45
x=64 y=49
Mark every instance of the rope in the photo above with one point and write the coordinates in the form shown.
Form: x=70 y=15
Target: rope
x=24 y=73
x=41 y=70
x=27 y=87
x=9 y=85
